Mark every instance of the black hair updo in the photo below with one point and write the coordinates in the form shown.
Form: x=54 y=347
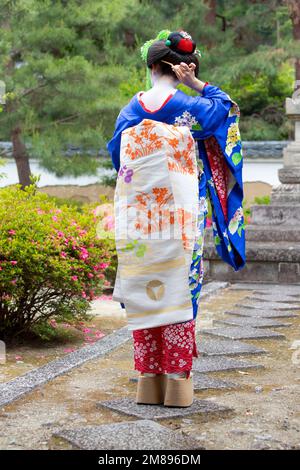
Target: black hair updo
x=177 y=48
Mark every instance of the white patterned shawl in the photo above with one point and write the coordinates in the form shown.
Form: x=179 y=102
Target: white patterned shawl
x=156 y=206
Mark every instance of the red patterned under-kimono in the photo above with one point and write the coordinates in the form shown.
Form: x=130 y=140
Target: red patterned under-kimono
x=165 y=349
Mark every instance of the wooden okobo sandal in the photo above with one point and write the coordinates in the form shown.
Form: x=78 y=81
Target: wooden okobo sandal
x=151 y=390
x=179 y=391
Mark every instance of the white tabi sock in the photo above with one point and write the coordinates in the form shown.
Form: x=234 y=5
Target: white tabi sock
x=179 y=375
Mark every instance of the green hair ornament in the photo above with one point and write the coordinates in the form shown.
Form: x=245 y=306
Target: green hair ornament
x=161 y=36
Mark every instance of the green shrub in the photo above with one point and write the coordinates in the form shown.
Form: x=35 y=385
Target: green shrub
x=247 y=212
x=262 y=200
x=109 y=180
x=257 y=128
x=52 y=261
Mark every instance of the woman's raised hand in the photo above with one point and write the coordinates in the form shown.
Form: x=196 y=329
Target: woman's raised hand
x=186 y=75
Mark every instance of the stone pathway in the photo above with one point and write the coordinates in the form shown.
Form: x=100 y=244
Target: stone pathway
x=246 y=328
x=272 y=297
x=262 y=313
x=128 y=407
x=250 y=317
x=253 y=322
x=211 y=347
x=135 y=435
x=271 y=305
x=243 y=332
x=220 y=363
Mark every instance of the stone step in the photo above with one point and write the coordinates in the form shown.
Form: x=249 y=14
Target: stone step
x=252 y=321
x=267 y=233
x=262 y=313
x=208 y=364
x=213 y=347
x=129 y=407
x=143 y=434
x=206 y=382
x=270 y=268
x=289 y=295
x=275 y=214
x=274 y=297
x=279 y=251
x=268 y=305
x=245 y=332
x=266 y=288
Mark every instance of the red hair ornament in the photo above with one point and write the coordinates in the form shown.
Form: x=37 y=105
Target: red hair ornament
x=181 y=42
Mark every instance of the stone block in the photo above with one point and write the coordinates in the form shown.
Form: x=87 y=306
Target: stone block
x=269 y=305
x=128 y=407
x=222 y=364
x=252 y=322
x=243 y=333
x=213 y=347
x=132 y=435
x=262 y=313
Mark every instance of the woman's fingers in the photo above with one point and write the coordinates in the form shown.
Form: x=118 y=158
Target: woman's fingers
x=176 y=69
x=180 y=69
x=184 y=71
x=179 y=76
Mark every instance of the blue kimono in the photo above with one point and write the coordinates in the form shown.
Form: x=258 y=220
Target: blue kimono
x=213 y=120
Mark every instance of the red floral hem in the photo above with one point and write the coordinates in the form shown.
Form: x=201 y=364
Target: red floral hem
x=165 y=349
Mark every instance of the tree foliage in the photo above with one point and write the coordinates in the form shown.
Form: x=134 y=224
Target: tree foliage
x=69 y=66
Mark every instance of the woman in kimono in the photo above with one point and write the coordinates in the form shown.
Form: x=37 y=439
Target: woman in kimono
x=163 y=353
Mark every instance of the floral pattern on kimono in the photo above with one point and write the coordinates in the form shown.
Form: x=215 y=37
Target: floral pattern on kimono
x=165 y=349
x=212 y=117
x=155 y=211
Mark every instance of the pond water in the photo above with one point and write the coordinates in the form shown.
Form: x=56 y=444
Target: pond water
x=266 y=171
x=47 y=178
x=253 y=170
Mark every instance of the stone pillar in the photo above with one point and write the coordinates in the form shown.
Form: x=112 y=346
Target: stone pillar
x=273 y=237
x=285 y=198
x=289 y=175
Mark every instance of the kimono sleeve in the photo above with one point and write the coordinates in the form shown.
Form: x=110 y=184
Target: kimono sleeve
x=211 y=108
x=113 y=146
x=220 y=149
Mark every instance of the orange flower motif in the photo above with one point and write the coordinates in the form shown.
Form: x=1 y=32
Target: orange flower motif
x=138 y=139
x=153 y=137
x=162 y=195
x=174 y=142
x=154 y=210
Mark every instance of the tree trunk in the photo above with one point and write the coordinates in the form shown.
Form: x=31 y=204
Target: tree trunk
x=210 y=20
x=129 y=38
x=21 y=158
x=210 y=17
x=294 y=9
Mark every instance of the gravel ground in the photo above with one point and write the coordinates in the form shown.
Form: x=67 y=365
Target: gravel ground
x=266 y=405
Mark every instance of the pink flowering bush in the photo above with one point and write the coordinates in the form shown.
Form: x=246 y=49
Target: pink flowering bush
x=52 y=263
x=105 y=229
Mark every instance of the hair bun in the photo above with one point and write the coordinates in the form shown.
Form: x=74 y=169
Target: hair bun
x=181 y=42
